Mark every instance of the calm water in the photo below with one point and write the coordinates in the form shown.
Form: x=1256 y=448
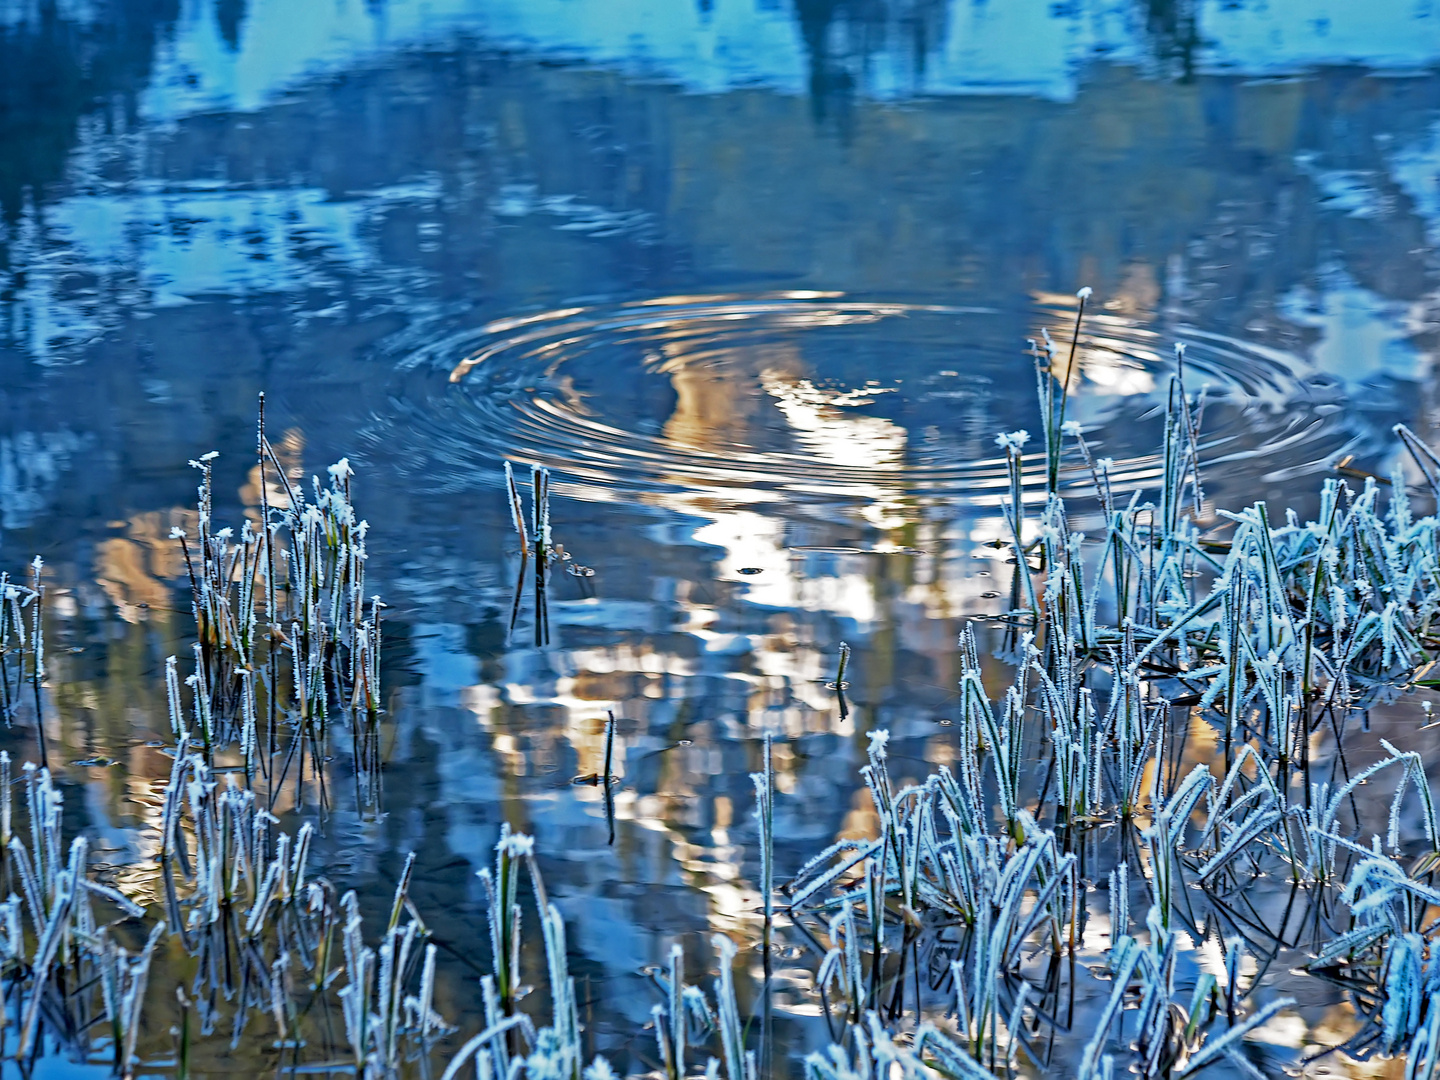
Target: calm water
x=755 y=279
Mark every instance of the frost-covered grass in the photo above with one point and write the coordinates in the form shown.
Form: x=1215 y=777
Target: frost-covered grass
x=1187 y=695
x=1272 y=639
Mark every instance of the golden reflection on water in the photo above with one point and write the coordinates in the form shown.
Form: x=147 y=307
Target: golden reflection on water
x=138 y=571
x=695 y=674
x=505 y=747
x=720 y=650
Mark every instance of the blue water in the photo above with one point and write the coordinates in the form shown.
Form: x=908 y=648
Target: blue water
x=754 y=278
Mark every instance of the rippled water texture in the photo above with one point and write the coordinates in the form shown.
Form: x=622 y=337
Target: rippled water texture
x=827 y=398
x=756 y=281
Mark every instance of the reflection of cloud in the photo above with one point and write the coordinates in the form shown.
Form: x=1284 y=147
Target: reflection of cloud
x=1361 y=333
x=755 y=542
x=165 y=247
x=1286 y=35
x=30 y=467
x=1116 y=375
x=1021 y=46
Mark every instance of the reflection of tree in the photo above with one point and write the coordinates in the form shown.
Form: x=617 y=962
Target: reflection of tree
x=830 y=83
x=1174 y=31
x=53 y=70
x=230 y=15
x=842 y=38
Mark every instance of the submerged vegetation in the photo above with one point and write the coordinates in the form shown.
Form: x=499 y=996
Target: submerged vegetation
x=1074 y=890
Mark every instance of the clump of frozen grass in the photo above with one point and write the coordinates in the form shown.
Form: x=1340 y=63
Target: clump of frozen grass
x=1272 y=637
x=1006 y=890
x=537 y=548
x=287 y=641
x=66 y=945
x=684 y=1018
x=263 y=930
x=510 y=1045
x=260 y=930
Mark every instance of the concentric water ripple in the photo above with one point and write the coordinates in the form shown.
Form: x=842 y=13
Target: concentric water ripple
x=810 y=396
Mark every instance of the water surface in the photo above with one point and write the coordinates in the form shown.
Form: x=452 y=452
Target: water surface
x=755 y=280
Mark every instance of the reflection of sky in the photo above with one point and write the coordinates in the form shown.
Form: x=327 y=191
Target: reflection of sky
x=1415 y=169
x=220 y=239
x=985 y=46
x=196 y=242
x=158 y=244
x=1275 y=34
x=171 y=246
